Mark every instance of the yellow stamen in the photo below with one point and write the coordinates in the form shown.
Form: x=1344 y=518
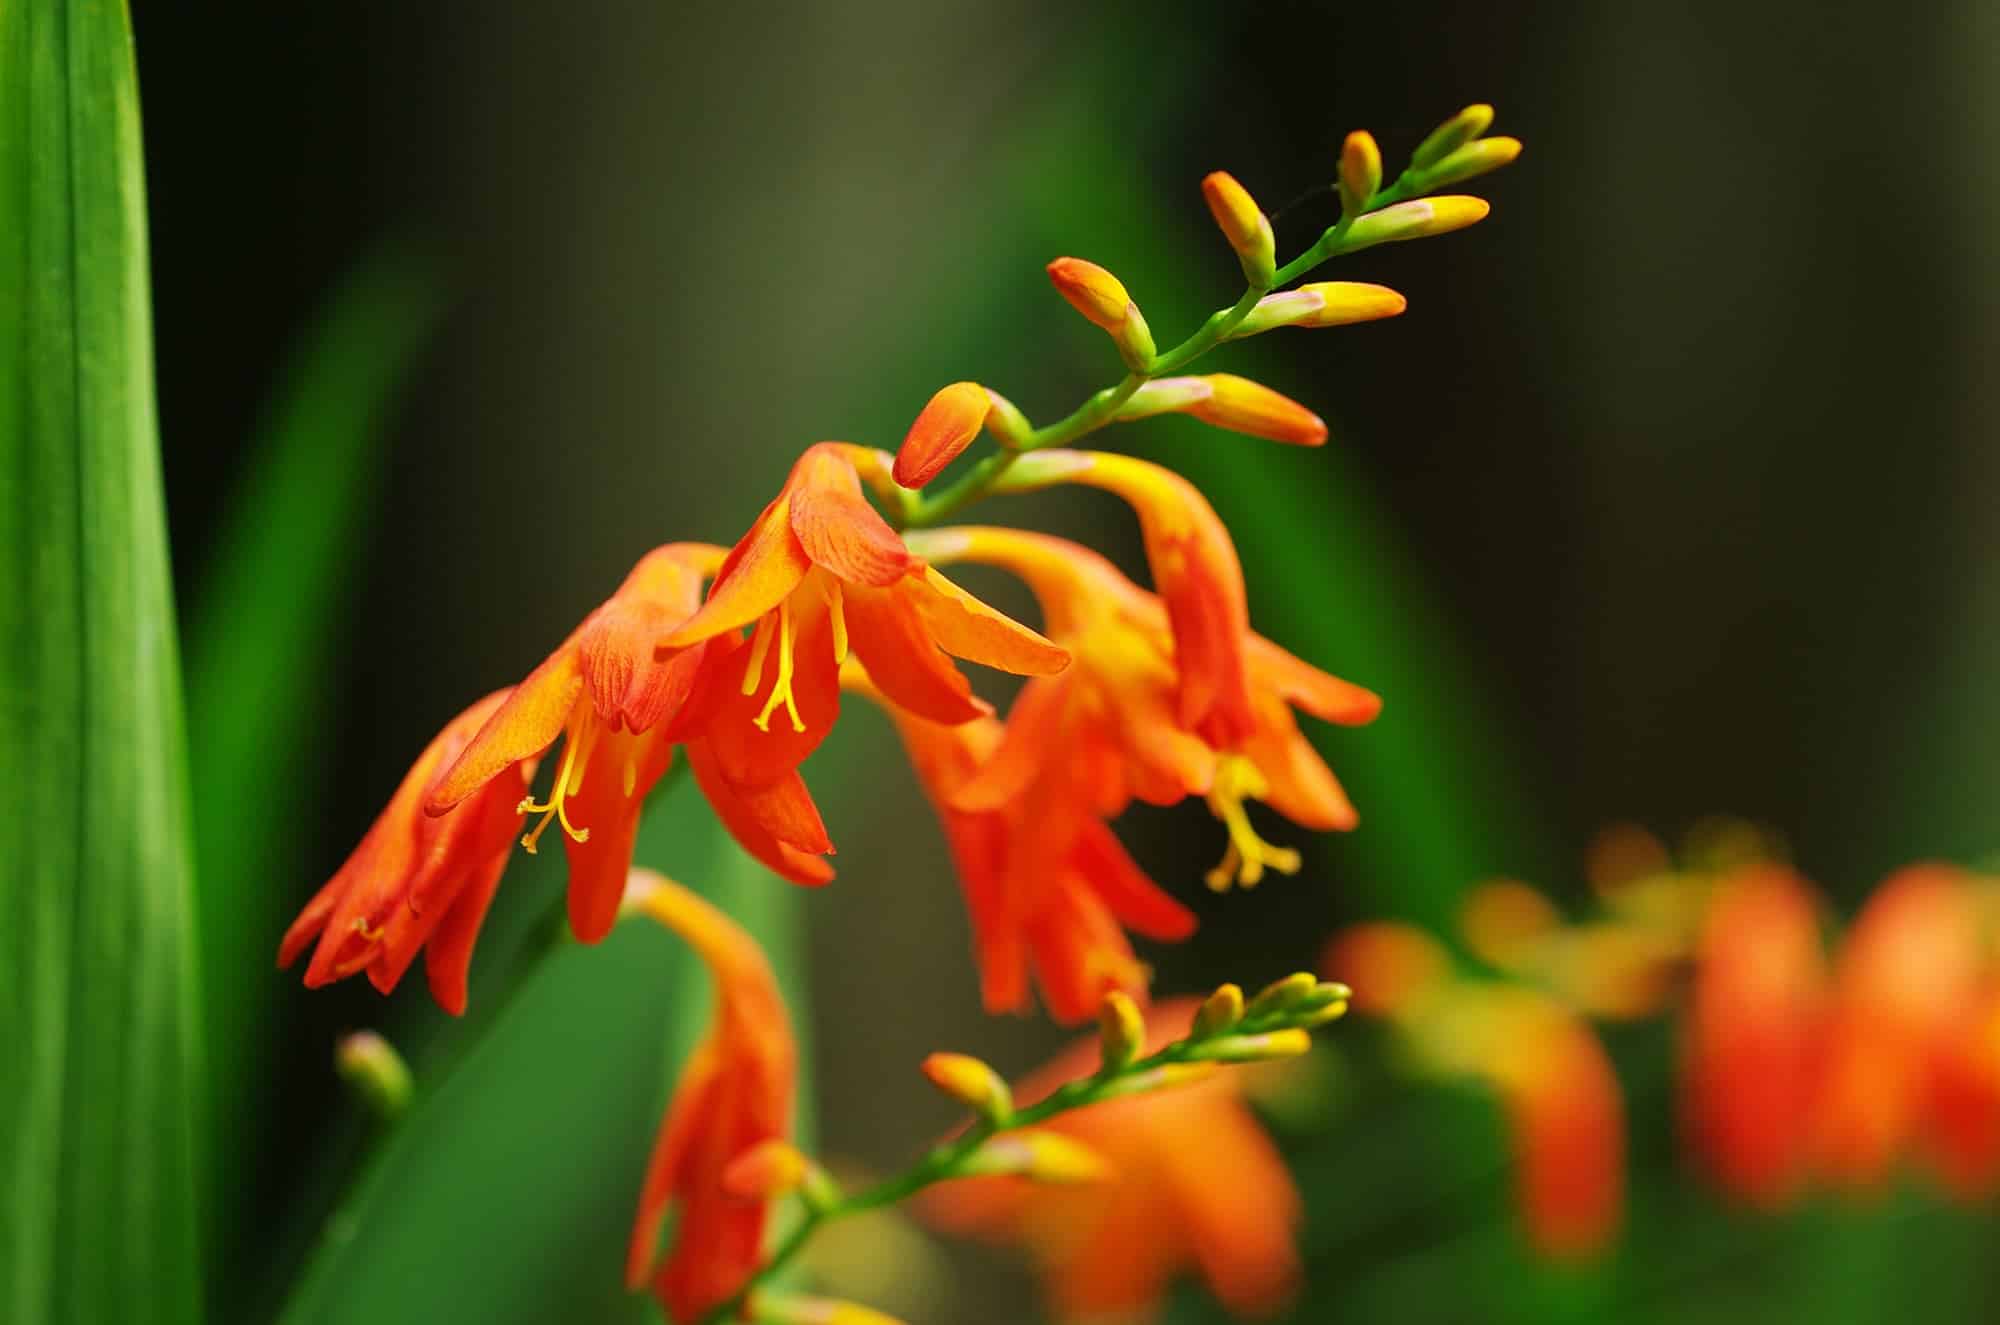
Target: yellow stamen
x=569 y=781
x=781 y=688
x=369 y=933
x=760 y=645
x=836 y=607
x=1247 y=855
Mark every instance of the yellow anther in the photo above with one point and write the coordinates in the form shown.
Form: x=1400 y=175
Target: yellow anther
x=781 y=688
x=370 y=934
x=1247 y=856
x=569 y=781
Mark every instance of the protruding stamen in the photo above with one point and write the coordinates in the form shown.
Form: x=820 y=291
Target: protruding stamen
x=781 y=687
x=760 y=646
x=569 y=781
x=1247 y=856
x=836 y=607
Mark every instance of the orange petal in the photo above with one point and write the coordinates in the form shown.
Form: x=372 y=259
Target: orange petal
x=765 y=565
x=836 y=526
x=742 y=824
x=1034 y=727
x=631 y=683
x=753 y=755
x=942 y=431
x=1135 y=899
x=687 y=1116
x=526 y=723
x=903 y=660
x=448 y=953
x=1298 y=683
x=967 y=628
x=610 y=810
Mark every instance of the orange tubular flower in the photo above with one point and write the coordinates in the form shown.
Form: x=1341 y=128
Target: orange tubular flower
x=1135 y=717
x=820 y=571
x=1750 y=1048
x=1045 y=884
x=416 y=882
x=1907 y=978
x=734 y=1095
x=1197 y=1185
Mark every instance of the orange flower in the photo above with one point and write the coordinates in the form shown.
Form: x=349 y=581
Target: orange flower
x=1046 y=882
x=1197 y=1186
x=734 y=1095
x=1134 y=721
x=1907 y=977
x=1962 y=1104
x=818 y=571
x=415 y=882
x=1750 y=1048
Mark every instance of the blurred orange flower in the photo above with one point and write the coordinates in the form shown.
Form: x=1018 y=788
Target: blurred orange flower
x=734 y=1095
x=1196 y=1185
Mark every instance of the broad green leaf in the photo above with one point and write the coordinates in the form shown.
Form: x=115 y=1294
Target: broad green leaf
x=98 y=1103
x=261 y=629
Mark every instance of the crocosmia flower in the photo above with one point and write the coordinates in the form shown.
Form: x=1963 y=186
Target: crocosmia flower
x=416 y=881
x=1045 y=888
x=821 y=572
x=734 y=1095
x=1195 y=1186
x=1132 y=724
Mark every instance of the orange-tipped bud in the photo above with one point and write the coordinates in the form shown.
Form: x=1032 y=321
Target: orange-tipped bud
x=1219 y=1012
x=1167 y=1076
x=1040 y=1156
x=1100 y=297
x=768 y=1308
x=766 y=1171
x=972 y=1083
x=1360 y=172
x=376 y=1072
x=1473 y=159
x=942 y=431
x=1121 y=1031
x=1322 y=304
x=1240 y=405
x=1244 y=225
x=1416 y=220
x=1289 y=1043
x=1008 y=425
x=1453 y=134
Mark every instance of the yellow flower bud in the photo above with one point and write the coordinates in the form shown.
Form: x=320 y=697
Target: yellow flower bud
x=1038 y=1155
x=1121 y=1030
x=1322 y=304
x=1240 y=405
x=768 y=1308
x=1453 y=134
x=1219 y=1012
x=767 y=1171
x=1360 y=172
x=1288 y=1043
x=1167 y=1076
x=1100 y=297
x=377 y=1073
x=1475 y=158
x=1244 y=225
x=1415 y=220
x=972 y=1083
x=1282 y=995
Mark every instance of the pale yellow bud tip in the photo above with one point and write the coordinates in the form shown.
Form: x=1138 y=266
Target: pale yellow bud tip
x=1221 y=1011
x=1122 y=1030
x=972 y=1082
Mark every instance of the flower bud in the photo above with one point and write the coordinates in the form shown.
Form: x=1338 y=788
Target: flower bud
x=1038 y=1155
x=1240 y=405
x=1314 y=1018
x=1360 y=172
x=1453 y=134
x=1281 y=995
x=1244 y=225
x=1164 y=395
x=1121 y=1031
x=1415 y=220
x=1098 y=295
x=768 y=1308
x=1288 y=1043
x=374 y=1070
x=1219 y=1012
x=1322 y=304
x=972 y=1083
x=771 y=1169
x=1005 y=421
x=942 y=431
x=1475 y=158
x=1167 y=1076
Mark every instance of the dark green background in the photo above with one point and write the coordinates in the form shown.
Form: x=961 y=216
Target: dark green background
x=1669 y=495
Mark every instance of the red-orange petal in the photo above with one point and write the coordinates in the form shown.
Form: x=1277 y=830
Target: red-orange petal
x=889 y=636
x=947 y=425
x=1134 y=899
x=966 y=628
x=765 y=565
x=526 y=723
x=836 y=526
x=448 y=952
x=786 y=861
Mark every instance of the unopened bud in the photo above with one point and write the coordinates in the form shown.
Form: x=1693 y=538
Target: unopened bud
x=1005 y=421
x=374 y=1070
x=1288 y=1043
x=1244 y=225
x=1281 y=995
x=1314 y=1018
x=1415 y=220
x=1322 y=304
x=1360 y=172
x=1453 y=134
x=972 y=1083
x=768 y=1308
x=1041 y=1156
x=1475 y=158
x=1121 y=1031
x=1219 y=1012
x=774 y=1168
x=1240 y=405
x=1100 y=297
x=943 y=430
x=1167 y=1076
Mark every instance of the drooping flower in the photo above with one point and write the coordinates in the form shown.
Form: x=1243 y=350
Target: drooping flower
x=734 y=1095
x=1750 y=1044
x=1196 y=1186
x=416 y=882
x=1141 y=711
x=1046 y=881
x=819 y=572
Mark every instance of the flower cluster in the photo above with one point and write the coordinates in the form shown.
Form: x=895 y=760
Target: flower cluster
x=736 y=660
x=1797 y=1067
